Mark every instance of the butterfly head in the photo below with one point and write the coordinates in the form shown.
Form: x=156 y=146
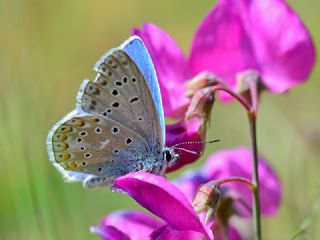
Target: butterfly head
x=170 y=157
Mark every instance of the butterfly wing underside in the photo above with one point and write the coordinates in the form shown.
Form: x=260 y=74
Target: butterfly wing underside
x=116 y=127
x=136 y=49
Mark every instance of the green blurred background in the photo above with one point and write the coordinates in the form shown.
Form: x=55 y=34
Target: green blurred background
x=48 y=47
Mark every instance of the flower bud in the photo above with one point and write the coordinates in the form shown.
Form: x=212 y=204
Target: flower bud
x=200 y=81
x=201 y=104
x=207 y=199
x=245 y=79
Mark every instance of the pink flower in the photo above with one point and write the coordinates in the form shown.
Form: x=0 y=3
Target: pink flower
x=161 y=197
x=235 y=36
x=236 y=162
x=267 y=36
x=165 y=200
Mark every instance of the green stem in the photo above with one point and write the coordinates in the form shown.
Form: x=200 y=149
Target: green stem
x=255 y=177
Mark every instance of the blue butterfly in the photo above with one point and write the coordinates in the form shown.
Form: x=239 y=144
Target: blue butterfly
x=118 y=125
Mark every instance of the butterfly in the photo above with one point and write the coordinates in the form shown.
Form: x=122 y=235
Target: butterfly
x=118 y=125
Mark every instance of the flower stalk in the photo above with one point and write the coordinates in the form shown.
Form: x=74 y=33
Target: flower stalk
x=253 y=81
x=252 y=116
x=255 y=177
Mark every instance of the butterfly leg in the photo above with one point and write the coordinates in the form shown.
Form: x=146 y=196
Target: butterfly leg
x=94 y=182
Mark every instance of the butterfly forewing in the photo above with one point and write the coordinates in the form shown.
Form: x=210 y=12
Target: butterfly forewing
x=121 y=93
x=138 y=52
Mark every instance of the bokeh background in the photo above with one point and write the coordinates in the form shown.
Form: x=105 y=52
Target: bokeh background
x=48 y=47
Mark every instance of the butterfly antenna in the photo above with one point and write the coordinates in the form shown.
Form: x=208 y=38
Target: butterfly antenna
x=189 y=151
x=196 y=142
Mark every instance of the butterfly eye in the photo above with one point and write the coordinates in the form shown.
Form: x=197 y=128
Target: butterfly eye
x=168 y=155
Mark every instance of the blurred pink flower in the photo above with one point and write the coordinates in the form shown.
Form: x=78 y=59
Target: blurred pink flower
x=165 y=200
x=267 y=36
x=236 y=162
x=236 y=35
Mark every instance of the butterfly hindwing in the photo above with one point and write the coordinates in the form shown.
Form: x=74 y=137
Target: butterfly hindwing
x=97 y=146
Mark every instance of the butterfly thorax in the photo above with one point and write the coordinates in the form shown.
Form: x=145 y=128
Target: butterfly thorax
x=152 y=161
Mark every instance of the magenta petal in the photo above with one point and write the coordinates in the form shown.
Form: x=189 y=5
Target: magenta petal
x=138 y=225
x=109 y=233
x=263 y=35
x=169 y=233
x=189 y=183
x=232 y=234
x=162 y=198
x=171 y=67
x=237 y=162
x=283 y=45
x=187 y=130
x=222 y=45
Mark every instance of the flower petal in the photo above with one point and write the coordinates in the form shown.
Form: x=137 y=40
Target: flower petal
x=109 y=233
x=189 y=182
x=222 y=45
x=162 y=198
x=187 y=130
x=282 y=43
x=238 y=162
x=169 y=233
x=138 y=225
x=171 y=67
x=266 y=36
